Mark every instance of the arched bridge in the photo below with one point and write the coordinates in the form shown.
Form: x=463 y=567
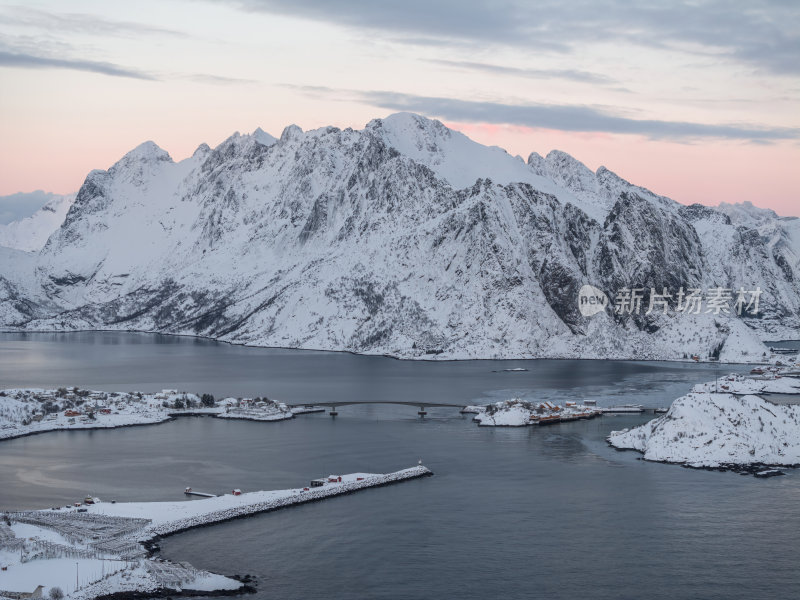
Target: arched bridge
x=336 y=404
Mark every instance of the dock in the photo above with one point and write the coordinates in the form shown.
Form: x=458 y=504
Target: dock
x=190 y=492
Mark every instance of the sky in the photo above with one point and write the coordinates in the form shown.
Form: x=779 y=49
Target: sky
x=698 y=101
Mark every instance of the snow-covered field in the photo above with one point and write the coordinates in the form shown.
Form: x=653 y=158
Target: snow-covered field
x=28 y=411
x=101 y=543
x=721 y=424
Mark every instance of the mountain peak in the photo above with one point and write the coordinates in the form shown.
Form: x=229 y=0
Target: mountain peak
x=202 y=150
x=746 y=213
x=291 y=132
x=148 y=151
x=536 y=162
x=569 y=171
x=263 y=138
x=407 y=121
x=555 y=157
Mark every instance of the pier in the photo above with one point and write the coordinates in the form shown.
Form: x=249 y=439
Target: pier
x=127 y=532
x=190 y=492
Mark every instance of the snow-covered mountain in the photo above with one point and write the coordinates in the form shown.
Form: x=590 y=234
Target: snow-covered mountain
x=404 y=238
x=31 y=233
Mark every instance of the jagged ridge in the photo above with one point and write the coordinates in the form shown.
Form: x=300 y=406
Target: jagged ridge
x=404 y=238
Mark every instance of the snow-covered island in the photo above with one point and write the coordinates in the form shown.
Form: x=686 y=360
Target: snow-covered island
x=520 y=413
x=730 y=423
x=106 y=544
x=28 y=411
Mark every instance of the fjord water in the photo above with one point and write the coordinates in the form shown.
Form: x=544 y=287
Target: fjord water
x=549 y=512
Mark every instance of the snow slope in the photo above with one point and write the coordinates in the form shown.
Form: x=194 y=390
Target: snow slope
x=31 y=233
x=750 y=247
x=404 y=238
x=712 y=429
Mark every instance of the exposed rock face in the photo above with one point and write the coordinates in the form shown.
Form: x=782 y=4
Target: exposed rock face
x=404 y=238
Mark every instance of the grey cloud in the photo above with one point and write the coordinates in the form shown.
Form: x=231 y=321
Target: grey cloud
x=80 y=23
x=21 y=53
x=216 y=79
x=418 y=21
x=312 y=90
x=569 y=118
x=761 y=33
x=24 y=60
x=30 y=61
x=568 y=74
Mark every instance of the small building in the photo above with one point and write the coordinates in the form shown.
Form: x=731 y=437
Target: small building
x=237 y=492
x=71 y=413
x=334 y=479
x=317 y=482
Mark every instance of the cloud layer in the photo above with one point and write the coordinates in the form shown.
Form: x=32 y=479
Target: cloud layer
x=567 y=74
x=30 y=61
x=764 y=34
x=21 y=205
x=554 y=116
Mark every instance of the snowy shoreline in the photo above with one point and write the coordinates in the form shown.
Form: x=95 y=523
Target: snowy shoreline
x=128 y=532
x=634 y=356
x=30 y=411
x=727 y=424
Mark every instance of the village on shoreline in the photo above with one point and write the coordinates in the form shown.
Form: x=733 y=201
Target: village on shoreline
x=29 y=411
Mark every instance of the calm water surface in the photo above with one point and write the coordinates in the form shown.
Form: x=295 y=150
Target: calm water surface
x=511 y=513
